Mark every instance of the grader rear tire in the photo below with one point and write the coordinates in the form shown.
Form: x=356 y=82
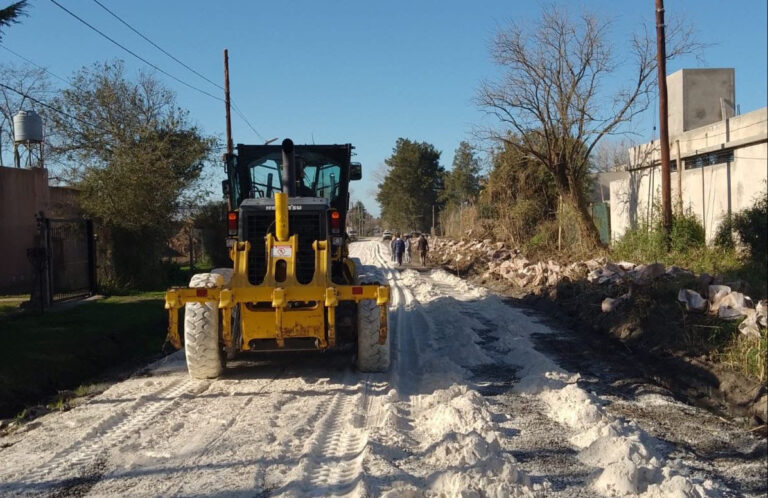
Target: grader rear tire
x=371 y=356
x=201 y=332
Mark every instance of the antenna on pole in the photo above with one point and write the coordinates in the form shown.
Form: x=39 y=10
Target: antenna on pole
x=230 y=149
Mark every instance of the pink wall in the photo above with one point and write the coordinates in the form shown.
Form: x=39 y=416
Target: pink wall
x=23 y=192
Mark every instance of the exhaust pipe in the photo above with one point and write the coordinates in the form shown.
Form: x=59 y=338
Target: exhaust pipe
x=289 y=168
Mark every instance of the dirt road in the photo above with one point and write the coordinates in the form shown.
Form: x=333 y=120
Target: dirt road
x=470 y=407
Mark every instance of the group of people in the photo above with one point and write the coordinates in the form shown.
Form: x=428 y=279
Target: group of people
x=402 y=247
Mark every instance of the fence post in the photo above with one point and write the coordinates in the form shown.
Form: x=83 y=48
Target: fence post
x=47 y=274
x=91 y=257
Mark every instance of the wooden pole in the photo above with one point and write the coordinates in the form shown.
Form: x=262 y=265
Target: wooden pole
x=560 y=221
x=230 y=148
x=661 y=57
x=679 y=179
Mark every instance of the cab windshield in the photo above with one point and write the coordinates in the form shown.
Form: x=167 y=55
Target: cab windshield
x=316 y=175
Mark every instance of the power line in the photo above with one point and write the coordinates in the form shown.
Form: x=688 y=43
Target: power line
x=156 y=45
x=239 y=113
x=242 y=116
x=145 y=61
x=36 y=65
x=49 y=106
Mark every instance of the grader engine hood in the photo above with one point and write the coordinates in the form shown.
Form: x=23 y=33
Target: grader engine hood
x=307 y=217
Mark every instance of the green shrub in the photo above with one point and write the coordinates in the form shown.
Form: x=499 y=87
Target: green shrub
x=724 y=235
x=751 y=225
x=686 y=233
x=647 y=243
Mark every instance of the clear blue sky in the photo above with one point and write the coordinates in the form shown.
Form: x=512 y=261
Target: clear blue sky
x=356 y=71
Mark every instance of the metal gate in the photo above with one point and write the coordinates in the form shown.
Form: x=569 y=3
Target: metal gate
x=71 y=266
x=601 y=214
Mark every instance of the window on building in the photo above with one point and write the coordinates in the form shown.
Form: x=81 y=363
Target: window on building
x=709 y=159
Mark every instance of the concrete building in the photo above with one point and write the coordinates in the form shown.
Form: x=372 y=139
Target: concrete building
x=724 y=157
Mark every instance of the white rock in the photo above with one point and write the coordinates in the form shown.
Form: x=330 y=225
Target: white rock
x=692 y=300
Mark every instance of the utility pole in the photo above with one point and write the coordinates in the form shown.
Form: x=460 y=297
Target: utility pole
x=230 y=148
x=661 y=57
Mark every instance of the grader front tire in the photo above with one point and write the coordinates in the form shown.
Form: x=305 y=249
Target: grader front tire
x=201 y=332
x=371 y=356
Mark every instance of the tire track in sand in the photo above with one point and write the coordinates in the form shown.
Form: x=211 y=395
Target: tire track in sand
x=82 y=460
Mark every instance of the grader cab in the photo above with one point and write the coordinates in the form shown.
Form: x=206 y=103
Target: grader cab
x=292 y=285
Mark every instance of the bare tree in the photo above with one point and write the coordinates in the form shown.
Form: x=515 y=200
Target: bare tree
x=611 y=155
x=551 y=97
x=26 y=82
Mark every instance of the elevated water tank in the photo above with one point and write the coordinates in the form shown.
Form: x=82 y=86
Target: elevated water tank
x=27 y=127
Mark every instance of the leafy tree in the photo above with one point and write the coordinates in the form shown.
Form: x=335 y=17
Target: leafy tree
x=551 y=94
x=518 y=194
x=462 y=183
x=411 y=185
x=211 y=221
x=134 y=156
x=360 y=219
x=11 y=14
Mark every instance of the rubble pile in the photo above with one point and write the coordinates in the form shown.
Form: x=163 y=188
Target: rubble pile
x=728 y=305
x=496 y=261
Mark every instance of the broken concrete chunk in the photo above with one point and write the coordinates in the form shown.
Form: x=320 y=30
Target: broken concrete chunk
x=645 y=274
x=714 y=290
x=692 y=300
x=676 y=271
x=614 y=268
x=727 y=313
x=750 y=325
x=626 y=265
x=610 y=304
x=762 y=313
x=593 y=264
x=734 y=300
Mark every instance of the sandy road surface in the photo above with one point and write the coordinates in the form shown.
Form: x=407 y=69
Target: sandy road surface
x=469 y=406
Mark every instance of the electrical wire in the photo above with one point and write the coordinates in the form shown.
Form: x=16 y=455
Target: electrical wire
x=36 y=65
x=46 y=105
x=237 y=111
x=156 y=45
x=145 y=61
x=234 y=107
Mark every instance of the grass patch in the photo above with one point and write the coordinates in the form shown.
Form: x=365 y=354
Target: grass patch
x=60 y=350
x=748 y=355
x=10 y=306
x=646 y=244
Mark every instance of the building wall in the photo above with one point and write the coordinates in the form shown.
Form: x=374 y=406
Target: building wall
x=706 y=191
x=23 y=193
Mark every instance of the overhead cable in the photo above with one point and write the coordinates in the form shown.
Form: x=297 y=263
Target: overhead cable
x=36 y=65
x=145 y=61
x=154 y=66
x=156 y=45
x=46 y=105
x=234 y=107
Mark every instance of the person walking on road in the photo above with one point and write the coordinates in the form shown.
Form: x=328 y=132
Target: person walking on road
x=408 y=249
x=392 y=249
x=399 y=246
x=423 y=247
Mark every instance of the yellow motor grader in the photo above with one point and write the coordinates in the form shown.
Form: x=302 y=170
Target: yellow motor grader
x=292 y=285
